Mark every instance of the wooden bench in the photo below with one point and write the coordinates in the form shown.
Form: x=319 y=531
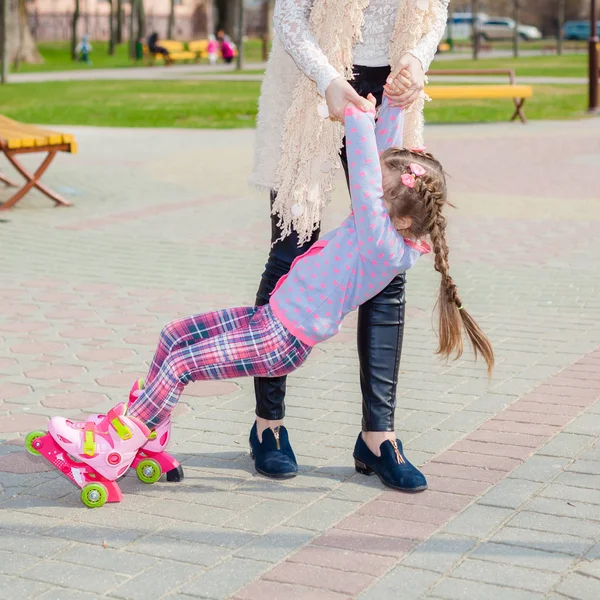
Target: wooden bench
x=199 y=48
x=518 y=93
x=176 y=50
x=19 y=138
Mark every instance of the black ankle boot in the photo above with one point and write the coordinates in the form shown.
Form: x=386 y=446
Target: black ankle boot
x=392 y=467
x=273 y=457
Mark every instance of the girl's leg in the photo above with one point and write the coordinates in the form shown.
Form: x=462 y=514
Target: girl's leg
x=190 y=330
x=260 y=348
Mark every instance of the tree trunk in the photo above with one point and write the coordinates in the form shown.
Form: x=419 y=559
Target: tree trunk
x=227 y=10
x=240 y=36
x=517 y=19
x=19 y=40
x=132 y=23
x=141 y=19
x=561 y=22
x=476 y=37
x=171 y=24
x=74 y=31
x=111 y=29
x=119 y=35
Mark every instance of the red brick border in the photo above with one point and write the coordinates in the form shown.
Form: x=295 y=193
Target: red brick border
x=385 y=529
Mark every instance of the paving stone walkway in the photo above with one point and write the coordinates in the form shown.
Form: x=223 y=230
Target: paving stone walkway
x=164 y=225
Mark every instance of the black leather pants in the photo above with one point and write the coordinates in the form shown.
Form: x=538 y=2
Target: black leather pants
x=380 y=320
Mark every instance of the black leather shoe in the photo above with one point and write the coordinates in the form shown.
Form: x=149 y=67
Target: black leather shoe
x=392 y=467
x=273 y=457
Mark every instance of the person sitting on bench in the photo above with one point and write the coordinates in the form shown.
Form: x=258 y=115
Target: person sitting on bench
x=154 y=48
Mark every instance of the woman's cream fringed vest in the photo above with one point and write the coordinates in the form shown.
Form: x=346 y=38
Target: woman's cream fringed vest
x=297 y=150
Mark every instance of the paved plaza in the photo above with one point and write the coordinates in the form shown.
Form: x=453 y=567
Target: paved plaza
x=163 y=225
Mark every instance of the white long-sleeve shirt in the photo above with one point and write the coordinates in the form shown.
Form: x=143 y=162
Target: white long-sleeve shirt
x=291 y=20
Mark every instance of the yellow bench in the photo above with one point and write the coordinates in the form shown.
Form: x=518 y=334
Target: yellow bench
x=176 y=50
x=21 y=138
x=199 y=47
x=518 y=93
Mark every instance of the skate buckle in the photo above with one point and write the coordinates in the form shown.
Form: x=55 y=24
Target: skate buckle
x=89 y=443
x=122 y=430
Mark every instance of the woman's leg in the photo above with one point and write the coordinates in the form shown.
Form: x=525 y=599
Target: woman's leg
x=190 y=330
x=260 y=348
x=270 y=393
x=380 y=320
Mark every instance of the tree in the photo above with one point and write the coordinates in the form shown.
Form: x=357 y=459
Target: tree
x=171 y=24
x=141 y=19
x=111 y=29
x=74 y=22
x=516 y=36
x=227 y=10
x=19 y=40
x=119 y=32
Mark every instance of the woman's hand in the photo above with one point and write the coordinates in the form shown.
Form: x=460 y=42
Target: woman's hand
x=338 y=94
x=406 y=83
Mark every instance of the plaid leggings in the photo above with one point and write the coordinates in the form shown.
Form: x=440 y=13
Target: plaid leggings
x=229 y=343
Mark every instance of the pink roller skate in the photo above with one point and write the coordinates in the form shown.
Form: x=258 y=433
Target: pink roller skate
x=153 y=450
x=92 y=454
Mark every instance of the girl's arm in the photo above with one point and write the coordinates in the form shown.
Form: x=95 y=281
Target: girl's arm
x=427 y=46
x=291 y=21
x=390 y=126
x=377 y=238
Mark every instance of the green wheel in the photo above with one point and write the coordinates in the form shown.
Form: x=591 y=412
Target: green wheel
x=30 y=439
x=94 y=495
x=148 y=471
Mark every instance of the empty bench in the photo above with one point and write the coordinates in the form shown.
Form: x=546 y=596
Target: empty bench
x=20 y=138
x=517 y=93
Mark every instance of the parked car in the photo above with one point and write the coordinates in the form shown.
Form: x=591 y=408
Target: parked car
x=577 y=30
x=460 y=25
x=504 y=29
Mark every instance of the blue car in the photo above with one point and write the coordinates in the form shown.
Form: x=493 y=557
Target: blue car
x=577 y=30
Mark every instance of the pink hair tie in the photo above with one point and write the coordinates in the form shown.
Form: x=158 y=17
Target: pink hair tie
x=408 y=179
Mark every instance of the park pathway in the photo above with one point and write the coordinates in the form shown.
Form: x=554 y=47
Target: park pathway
x=163 y=225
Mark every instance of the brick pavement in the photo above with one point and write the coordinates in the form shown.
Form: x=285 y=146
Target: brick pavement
x=161 y=228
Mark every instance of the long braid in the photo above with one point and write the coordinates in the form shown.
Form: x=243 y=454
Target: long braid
x=453 y=317
x=423 y=204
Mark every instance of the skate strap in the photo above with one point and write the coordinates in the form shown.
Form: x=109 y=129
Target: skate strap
x=118 y=424
x=89 y=438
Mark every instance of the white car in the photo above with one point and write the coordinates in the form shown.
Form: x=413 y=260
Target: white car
x=504 y=29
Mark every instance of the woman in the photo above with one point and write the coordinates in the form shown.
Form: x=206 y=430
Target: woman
x=328 y=53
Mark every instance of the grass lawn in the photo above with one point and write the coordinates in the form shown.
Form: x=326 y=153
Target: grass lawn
x=57 y=57
x=226 y=104
x=567 y=65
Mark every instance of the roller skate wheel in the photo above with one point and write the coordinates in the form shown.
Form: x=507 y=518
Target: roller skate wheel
x=148 y=471
x=94 y=495
x=30 y=442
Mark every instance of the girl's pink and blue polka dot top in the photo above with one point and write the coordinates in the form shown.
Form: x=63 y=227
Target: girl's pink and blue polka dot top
x=354 y=262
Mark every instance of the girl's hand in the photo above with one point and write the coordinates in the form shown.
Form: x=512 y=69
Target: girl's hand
x=406 y=83
x=339 y=94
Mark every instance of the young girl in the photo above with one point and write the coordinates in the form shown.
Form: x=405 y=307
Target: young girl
x=227 y=49
x=398 y=198
x=212 y=49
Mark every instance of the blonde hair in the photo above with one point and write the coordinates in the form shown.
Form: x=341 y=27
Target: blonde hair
x=424 y=204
